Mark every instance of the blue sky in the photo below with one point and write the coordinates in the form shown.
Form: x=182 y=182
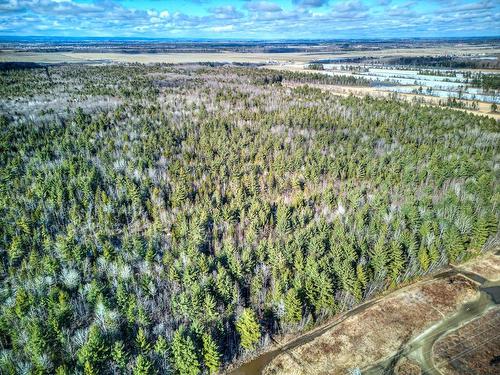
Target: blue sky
x=251 y=19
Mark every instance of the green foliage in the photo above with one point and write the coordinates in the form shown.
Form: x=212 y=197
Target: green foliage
x=136 y=225
x=480 y=233
x=293 y=307
x=119 y=355
x=453 y=244
x=94 y=352
x=143 y=366
x=423 y=258
x=248 y=328
x=283 y=219
x=161 y=346
x=211 y=356
x=142 y=342
x=185 y=359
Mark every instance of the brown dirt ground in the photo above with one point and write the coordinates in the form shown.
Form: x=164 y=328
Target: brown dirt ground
x=471 y=349
x=406 y=366
x=488 y=267
x=378 y=331
x=258 y=57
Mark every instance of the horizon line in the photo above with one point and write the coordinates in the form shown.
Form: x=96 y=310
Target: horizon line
x=253 y=39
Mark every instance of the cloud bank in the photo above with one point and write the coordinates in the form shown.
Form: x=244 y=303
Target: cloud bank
x=252 y=19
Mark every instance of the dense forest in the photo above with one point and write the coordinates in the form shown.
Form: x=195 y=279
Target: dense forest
x=454 y=62
x=161 y=219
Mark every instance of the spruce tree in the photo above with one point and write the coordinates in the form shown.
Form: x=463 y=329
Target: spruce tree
x=293 y=307
x=143 y=366
x=248 y=329
x=119 y=355
x=94 y=351
x=211 y=356
x=185 y=360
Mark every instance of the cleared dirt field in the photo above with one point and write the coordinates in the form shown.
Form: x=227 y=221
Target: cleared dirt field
x=244 y=57
x=378 y=331
x=471 y=349
x=488 y=267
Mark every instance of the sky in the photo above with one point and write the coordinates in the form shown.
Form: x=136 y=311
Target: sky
x=250 y=19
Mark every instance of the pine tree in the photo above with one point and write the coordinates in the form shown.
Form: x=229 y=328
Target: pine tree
x=143 y=366
x=88 y=369
x=453 y=244
x=283 y=219
x=325 y=300
x=480 y=234
x=396 y=262
x=94 y=351
x=161 y=346
x=248 y=329
x=379 y=256
x=423 y=258
x=184 y=355
x=433 y=253
x=119 y=355
x=361 y=275
x=209 y=307
x=62 y=370
x=211 y=356
x=142 y=342
x=293 y=307
x=15 y=250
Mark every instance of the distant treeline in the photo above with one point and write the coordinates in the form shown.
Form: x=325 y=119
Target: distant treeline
x=444 y=62
x=487 y=81
x=265 y=76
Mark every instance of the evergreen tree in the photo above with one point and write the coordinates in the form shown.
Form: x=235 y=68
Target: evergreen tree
x=142 y=342
x=423 y=258
x=283 y=219
x=211 y=356
x=185 y=360
x=119 y=355
x=143 y=366
x=293 y=307
x=248 y=329
x=95 y=351
x=161 y=346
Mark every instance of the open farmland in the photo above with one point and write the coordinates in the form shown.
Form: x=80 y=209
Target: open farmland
x=458 y=88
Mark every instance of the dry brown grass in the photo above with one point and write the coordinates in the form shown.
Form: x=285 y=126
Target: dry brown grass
x=379 y=331
x=283 y=58
x=471 y=349
x=488 y=267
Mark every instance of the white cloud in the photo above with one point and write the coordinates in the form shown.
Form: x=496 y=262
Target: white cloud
x=262 y=6
x=220 y=29
x=253 y=18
